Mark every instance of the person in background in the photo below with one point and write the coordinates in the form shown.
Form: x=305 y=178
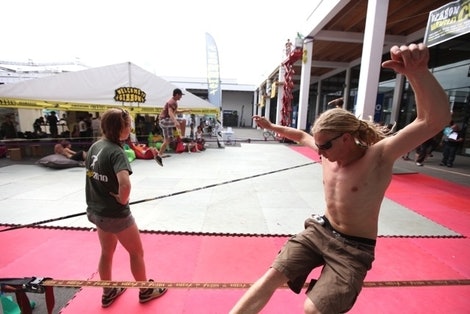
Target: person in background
x=89 y=128
x=168 y=121
x=192 y=135
x=96 y=126
x=65 y=148
x=63 y=124
x=82 y=127
x=107 y=190
x=139 y=124
x=72 y=125
x=52 y=120
x=8 y=128
x=424 y=150
x=200 y=138
x=357 y=164
x=288 y=47
x=37 y=125
x=451 y=143
x=63 y=120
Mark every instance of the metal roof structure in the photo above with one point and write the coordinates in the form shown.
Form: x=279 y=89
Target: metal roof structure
x=338 y=34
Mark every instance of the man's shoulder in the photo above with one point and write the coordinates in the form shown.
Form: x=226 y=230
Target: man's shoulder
x=374 y=155
x=172 y=102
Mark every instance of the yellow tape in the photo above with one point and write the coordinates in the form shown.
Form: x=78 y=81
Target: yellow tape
x=71 y=106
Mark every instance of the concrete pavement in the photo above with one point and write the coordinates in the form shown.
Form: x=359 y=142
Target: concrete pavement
x=261 y=187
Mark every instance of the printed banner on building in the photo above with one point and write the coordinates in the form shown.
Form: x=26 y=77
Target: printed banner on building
x=213 y=72
x=447 y=22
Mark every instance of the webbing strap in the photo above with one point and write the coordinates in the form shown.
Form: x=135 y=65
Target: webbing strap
x=50 y=300
x=23 y=302
x=21 y=285
x=235 y=285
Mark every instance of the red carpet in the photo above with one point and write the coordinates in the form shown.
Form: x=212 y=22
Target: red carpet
x=307 y=152
x=72 y=254
x=443 y=202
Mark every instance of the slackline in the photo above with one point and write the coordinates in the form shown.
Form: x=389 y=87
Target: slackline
x=237 y=285
x=163 y=196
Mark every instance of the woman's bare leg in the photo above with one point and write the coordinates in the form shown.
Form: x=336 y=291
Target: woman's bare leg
x=130 y=240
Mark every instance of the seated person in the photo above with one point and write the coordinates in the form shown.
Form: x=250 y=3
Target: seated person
x=200 y=138
x=65 y=148
x=190 y=145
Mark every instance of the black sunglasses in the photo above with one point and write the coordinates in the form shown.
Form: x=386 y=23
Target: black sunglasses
x=328 y=144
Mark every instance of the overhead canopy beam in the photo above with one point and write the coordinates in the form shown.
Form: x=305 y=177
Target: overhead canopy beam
x=354 y=37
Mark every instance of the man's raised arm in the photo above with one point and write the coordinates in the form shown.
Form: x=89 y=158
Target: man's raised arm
x=432 y=106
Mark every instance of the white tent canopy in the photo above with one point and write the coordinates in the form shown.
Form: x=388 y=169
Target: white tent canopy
x=94 y=90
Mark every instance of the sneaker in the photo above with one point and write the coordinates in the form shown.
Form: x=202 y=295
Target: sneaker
x=150 y=294
x=419 y=164
x=111 y=296
x=159 y=160
x=442 y=164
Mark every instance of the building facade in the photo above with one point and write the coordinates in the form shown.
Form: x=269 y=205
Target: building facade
x=340 y=58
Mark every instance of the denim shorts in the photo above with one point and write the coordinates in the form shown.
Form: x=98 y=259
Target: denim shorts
x=112 y=225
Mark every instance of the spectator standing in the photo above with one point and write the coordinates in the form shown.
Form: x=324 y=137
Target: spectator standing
x=288 y=47
x=37 y=125
x=451 y=143
x=82 y=127
x=8 y=128
x=107 y=189
x=52 y=120
x=424 y=150
x=96 y=126
x=89 y=128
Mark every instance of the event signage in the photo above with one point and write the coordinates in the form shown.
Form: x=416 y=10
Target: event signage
x=129 y=94
x=213 y=72
x=447 y=22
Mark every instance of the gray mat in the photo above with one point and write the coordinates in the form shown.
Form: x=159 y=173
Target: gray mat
x=254 y=189
x=399 y=170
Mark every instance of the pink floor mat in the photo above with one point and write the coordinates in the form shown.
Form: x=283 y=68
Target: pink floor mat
x=71 y=254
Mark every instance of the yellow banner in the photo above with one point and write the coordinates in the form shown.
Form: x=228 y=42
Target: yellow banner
x=67 y=106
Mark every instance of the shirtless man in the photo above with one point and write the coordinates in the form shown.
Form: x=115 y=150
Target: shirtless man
x=65 y=148
x=357 y=163
x=168 y=121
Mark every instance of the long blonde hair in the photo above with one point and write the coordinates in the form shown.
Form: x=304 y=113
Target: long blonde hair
x=338 y=120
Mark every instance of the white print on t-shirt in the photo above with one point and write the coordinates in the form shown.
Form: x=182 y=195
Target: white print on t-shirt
x=91 y=172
